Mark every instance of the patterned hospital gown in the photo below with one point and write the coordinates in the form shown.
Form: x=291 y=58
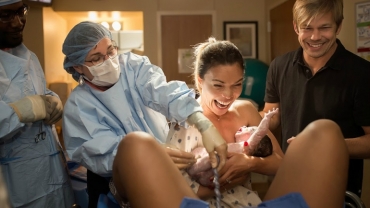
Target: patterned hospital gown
x=187 y=138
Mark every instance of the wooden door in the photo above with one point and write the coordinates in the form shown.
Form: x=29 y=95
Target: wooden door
x=283 y=37
x=181 y=32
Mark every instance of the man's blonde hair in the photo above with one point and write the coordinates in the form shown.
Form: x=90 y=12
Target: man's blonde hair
x=304 y=11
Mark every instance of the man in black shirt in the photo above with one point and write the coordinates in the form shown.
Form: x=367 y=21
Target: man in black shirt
x=322 y=80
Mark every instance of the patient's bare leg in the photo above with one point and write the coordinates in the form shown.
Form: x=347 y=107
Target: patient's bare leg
x=145 y=174
x=315 y=165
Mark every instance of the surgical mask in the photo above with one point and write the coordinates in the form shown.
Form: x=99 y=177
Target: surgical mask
x=106 y=74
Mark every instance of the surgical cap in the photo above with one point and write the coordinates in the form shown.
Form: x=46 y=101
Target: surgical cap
x=6 y=2
x=80 y=40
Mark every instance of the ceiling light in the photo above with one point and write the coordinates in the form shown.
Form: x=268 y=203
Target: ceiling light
x=116 y=26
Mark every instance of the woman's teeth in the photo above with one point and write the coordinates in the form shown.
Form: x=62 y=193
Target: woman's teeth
x=221 y=104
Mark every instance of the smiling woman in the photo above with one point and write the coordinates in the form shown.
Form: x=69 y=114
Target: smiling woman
x=218 y=77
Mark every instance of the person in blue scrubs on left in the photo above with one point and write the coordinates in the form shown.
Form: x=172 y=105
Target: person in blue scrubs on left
x=30 y=158
x=118 y=94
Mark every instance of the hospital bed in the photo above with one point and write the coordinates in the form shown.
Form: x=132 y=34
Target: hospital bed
x=353 y=201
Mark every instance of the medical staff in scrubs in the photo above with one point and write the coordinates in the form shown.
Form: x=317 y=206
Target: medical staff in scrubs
x=30 y=157
x=119 y=94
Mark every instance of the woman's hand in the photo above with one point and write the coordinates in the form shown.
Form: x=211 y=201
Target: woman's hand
x=206 y=193
x=234 y=182
x=181 y=158
x=236 y=168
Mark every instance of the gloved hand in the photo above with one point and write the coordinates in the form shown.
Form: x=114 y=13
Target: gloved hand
x=56 y=109
x=212 y=139
x=32 y=108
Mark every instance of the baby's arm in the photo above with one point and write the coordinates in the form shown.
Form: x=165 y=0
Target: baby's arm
x=262 y=129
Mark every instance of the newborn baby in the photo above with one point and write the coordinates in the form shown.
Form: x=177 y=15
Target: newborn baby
x=252 y=141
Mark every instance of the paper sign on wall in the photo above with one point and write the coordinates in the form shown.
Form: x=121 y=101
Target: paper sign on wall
x=185 y=60
x=363 y=29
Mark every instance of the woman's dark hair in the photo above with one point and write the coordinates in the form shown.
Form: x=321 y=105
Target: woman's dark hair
x=214 y=53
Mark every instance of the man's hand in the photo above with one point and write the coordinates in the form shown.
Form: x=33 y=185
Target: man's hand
x=275 y=119
x=32 y=108
x=290 y=140
x=56 y=108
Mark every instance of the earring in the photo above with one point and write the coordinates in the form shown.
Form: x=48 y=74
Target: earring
x=81 y=80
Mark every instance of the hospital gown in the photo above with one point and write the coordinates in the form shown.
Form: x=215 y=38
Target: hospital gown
x=34 y=172
x=94 y=122
x=187 y=138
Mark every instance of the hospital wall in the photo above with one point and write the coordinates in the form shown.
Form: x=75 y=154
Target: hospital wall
x=46 y=30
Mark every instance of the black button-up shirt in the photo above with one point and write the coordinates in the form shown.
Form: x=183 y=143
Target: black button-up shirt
x=340 y=91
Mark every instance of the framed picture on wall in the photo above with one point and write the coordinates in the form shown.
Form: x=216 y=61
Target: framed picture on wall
x=244 y=35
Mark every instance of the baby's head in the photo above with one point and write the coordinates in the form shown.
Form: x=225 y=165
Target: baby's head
x=263 y=149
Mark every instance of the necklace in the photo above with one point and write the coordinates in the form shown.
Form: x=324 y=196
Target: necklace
x=219 y=117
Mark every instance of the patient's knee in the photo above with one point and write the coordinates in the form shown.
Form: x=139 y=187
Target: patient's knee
x=322 y=124
x=134 y=144
x=323 y=128
x=136 y=137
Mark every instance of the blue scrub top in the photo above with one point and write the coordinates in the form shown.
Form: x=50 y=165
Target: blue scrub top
x=34 y=172
x=94 y=122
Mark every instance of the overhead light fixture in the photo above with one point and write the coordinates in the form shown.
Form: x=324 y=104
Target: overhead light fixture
x=116 y=26
x=116 y=15
x=113 y=26
x=105 y=24
x=93 y=16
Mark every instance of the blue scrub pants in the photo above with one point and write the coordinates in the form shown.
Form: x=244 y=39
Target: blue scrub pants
x=292 y=200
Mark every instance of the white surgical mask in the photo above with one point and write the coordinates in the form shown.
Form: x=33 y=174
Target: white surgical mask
x=106 y=74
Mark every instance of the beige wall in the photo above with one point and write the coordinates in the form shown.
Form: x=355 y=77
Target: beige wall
x=231 y=10
x=149 y=9
x=33 y=36
x=55 y=29
x=46 y=31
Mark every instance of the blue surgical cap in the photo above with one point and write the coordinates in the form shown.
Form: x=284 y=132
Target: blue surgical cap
x=80 y=40
x=6 y=2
